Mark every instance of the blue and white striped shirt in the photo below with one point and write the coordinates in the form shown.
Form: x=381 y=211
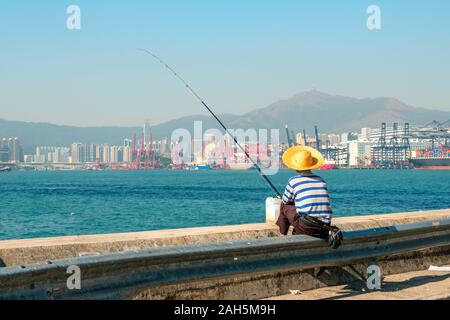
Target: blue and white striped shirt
x=309 y=192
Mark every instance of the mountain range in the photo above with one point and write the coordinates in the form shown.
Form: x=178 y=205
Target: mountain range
x=330 y=113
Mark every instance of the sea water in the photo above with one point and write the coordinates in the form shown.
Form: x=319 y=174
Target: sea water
x=52 y=203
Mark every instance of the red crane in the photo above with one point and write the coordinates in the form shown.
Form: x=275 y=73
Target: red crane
x=152 y=151
x=141 y=151
x=143 y=157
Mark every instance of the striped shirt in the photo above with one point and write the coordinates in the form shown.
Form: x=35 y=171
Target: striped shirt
x=309 y=192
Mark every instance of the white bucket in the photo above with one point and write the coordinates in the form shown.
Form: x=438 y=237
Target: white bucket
x=273 y=206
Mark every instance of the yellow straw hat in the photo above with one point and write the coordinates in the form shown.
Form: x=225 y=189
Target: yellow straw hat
x=302 y=158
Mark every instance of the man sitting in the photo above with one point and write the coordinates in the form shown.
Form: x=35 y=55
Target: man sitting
x=306 y=204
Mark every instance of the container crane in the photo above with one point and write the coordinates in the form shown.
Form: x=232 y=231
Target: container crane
x=289 y=138
x=316 y=132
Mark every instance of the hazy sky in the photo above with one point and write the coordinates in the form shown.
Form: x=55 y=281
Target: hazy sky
x=239 y=55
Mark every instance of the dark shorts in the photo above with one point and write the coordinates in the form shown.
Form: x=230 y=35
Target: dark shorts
x=289 y=217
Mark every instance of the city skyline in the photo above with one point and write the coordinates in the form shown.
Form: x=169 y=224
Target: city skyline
x=351 y=149
x=239 y=56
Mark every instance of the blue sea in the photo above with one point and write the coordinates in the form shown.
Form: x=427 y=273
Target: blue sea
x=45 y=204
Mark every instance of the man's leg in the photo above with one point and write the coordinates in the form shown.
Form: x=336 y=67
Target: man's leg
x=286 y=219
x=311 y=229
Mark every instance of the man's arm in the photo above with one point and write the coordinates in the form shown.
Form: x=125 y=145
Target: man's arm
x=288 y=196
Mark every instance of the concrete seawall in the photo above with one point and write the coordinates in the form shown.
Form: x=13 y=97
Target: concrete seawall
x=28 y=251
x=255 y=263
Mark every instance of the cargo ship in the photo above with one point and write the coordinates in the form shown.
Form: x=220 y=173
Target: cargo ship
x=240 y=166
x=329 y=165
x=198 y=167
x=437 y=158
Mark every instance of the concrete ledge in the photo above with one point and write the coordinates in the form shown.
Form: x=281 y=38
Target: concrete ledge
x=28 y=251
x=241 y=270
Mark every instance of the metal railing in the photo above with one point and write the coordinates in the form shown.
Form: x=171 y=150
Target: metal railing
x=125 y=274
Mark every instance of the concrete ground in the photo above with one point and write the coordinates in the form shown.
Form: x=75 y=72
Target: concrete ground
x=417 y=285
x=27 y=251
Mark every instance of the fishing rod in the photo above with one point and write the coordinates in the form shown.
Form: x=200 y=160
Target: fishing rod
x=188 y=86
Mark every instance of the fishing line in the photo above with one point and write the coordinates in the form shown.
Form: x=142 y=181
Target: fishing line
x=197 y=96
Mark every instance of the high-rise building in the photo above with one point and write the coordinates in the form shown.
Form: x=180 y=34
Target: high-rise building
x=127 y=142
x=164 y=147
x=375 y=133
x=98 y=153
x=91 y=153
x=11 y=150
x=334 y=139
x=359 y=153
x=299 y=139
x=126 y=154
x=15 y=150
x=4 y=150
x=45 y=154
x=78 y=153
x=365 y=134
x=114 y=154
x=105 y=154
x=344 y=137
x=60 y=155
x=120 y=154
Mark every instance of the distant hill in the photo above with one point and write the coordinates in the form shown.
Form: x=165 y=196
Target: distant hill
x=336 y=113
x=304 y=110
x=45 y=134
